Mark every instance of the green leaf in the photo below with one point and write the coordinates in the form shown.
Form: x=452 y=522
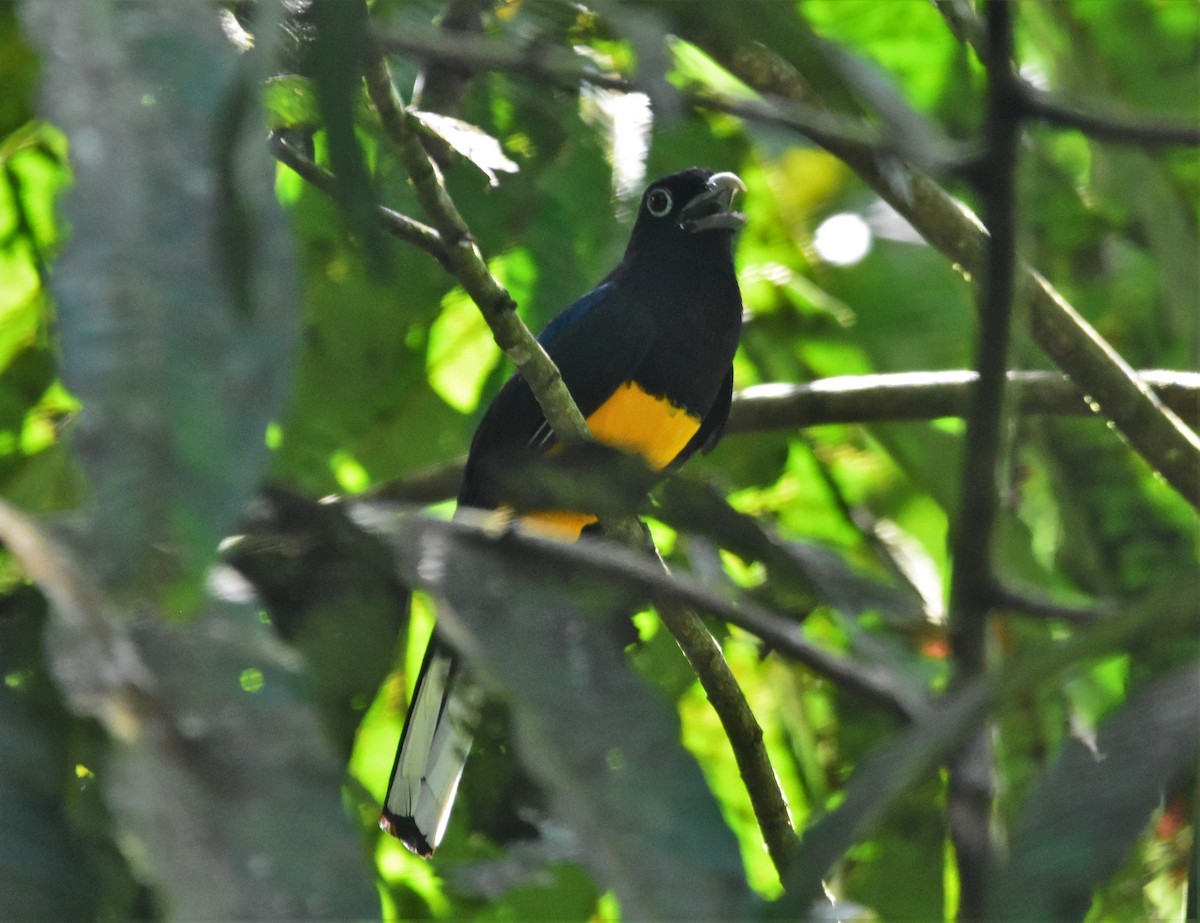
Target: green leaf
x=291 y=102
x=1078 y=824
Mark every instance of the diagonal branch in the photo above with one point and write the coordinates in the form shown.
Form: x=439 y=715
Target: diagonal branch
x=466 y=262
x=400 y=226
x=708 y=663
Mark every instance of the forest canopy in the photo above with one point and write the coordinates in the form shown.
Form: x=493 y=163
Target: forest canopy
x=922 y=643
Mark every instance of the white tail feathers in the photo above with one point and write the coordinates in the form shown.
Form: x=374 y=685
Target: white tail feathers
x=433 y=751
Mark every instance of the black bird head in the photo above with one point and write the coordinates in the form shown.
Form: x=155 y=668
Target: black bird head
x=685 y=209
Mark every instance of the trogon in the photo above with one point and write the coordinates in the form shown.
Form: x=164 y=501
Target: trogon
x=648 y=357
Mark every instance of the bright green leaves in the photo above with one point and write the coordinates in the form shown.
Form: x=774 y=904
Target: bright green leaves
x=461 y=353
x=34 y=470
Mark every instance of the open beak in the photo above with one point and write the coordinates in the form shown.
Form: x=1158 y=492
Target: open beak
x=713 y=208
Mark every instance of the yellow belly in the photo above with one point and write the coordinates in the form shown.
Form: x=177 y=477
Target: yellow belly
x=634 y=421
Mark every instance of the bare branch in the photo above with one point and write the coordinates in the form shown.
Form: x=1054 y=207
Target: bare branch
x=557 y=65
x=1042 y=105
x=567 y=70
x=725 y=695
x=966 y=25
x=899 y=396
x=1024 y=604
x=928 y=396
x=971 y=769
x=400 y=226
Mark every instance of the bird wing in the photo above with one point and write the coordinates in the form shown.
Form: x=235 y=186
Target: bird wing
x=597 y=344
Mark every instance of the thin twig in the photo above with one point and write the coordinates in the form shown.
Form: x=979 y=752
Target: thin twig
x=1026 y=605
x=966 y=25
x=400 y=226
x=1143 y=133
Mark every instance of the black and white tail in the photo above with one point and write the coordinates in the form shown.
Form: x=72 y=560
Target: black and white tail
x=433 y=750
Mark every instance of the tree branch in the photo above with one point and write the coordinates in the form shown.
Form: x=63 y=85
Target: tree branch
x=968 y=28
x=400 y=226
x=971 y=770
x=899 y=396
x=873 y=683
x=465 y=261
x=928 y=396
x=567 y=70
x=1046 y=107
x=708 y=662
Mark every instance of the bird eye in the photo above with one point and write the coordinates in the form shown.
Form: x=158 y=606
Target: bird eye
x=658 y=203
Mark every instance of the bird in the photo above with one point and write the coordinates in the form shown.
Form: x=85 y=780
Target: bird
x=647 y=356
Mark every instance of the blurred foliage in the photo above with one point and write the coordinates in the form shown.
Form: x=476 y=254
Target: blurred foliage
x=175 y=334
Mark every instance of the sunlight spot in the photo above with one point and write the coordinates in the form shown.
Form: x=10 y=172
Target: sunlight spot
x=251 y=680
x=351 y=476
x=84 y=776
x=625 y=119
x=843 y=239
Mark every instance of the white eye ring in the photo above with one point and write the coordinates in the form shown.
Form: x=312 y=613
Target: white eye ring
x=658 y=202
